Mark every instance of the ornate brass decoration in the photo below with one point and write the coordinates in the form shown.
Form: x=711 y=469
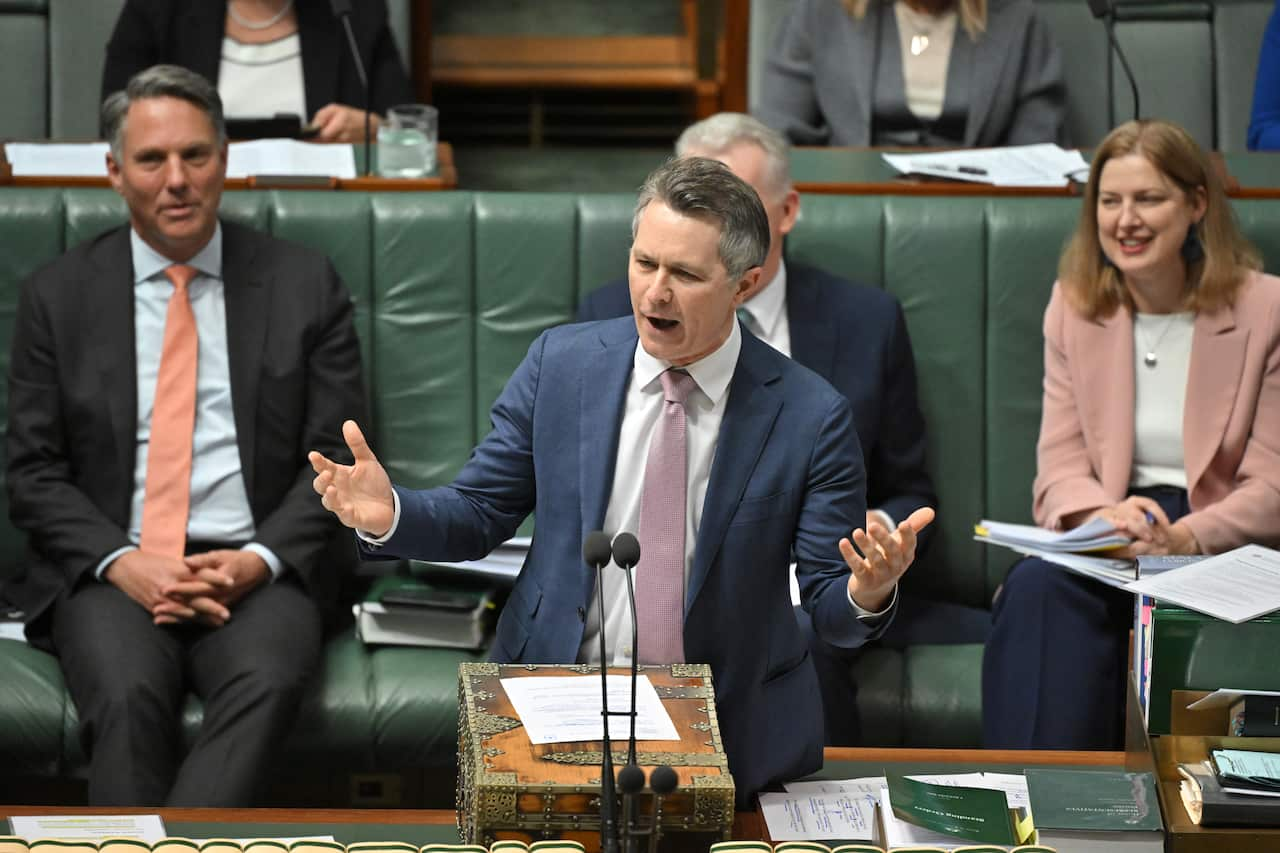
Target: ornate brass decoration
x=703 y=727
x=493 y=752
x=666 y=691
x=690 y=670
x=487 y=725
x=481 y=669
x=671 y=759
x=713 y=801
x=583 y=669
x=484 y=695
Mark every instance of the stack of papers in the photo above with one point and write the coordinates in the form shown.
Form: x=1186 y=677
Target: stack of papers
x=1236 y=586
x=260 y=157
x=503 y=563
x=1044 y=165
x=1096 y=535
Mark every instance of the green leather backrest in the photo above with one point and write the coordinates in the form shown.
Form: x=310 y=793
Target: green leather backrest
x=24 y=64
x=451 y=288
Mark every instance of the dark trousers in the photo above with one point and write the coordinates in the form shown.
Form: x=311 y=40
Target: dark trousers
x=1054 y=670
x=128 y=679
x=917 y=621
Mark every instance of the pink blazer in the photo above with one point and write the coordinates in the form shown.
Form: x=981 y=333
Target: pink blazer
x=1230 y=425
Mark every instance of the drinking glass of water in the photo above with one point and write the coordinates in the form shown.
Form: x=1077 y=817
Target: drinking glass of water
x=407 y=141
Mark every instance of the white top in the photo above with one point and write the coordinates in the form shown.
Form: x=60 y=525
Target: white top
x=769 y=313
x=261 y=80
x=926 y=50
x=1159 y=397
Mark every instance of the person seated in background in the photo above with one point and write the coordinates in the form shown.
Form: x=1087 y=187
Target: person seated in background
x=855 y=337
x=1264 y=121
x=1161 y=399
x=725 y=456
x=943 y=73
x=268 y=57
x=164 y=379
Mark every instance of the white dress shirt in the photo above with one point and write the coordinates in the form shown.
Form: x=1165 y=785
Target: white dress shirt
x=219 y=509
x=1159 y=397
x=768 y=310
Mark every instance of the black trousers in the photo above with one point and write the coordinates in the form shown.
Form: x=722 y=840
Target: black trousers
x=1054 y=670
x=917 y=621
x=128 y=679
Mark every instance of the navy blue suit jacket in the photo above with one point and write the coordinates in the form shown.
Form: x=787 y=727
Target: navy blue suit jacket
x=787 y=477
x=855 y=337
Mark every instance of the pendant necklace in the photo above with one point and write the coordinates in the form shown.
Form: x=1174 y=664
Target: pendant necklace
x=921 y=30
x=1151 y=359
x=259 y=25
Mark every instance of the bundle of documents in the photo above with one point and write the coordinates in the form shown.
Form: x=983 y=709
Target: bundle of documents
x=260 y=157
x=1234 y=787
x=453 y=620
x=1235 y=586
x=1043 y=165
x=501 y=567
x=1075 y=550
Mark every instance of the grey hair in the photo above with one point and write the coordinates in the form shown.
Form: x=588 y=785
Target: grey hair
x=160 y=81
x=717 y=134
x=705 y=189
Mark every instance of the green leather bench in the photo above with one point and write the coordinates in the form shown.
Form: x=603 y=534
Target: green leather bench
x=451 y=288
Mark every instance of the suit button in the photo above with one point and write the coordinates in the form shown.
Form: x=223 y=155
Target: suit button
x=582 y=615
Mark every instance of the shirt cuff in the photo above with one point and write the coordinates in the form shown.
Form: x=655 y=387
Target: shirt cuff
x=378 y=541
x=872 y=619
x=274 y=563
x=885 y=519
x=111 y=558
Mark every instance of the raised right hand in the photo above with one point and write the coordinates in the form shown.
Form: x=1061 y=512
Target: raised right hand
x=358 y=494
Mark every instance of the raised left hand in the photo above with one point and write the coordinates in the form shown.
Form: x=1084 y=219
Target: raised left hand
x=341 y=123
x=885 y=557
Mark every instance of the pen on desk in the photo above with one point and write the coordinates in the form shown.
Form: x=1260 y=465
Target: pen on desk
x=967 y=170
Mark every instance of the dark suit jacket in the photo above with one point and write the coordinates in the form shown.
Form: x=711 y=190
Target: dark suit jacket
x=818 y=85
x=854 y=337
x=786 y=478
x=71 y=442
x=189 y=33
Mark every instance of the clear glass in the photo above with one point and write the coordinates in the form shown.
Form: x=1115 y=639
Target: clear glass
x=407 y=141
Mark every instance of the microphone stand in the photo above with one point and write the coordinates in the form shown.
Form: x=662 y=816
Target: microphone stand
x=342 y=9
x=626 y=554
x=597 y=553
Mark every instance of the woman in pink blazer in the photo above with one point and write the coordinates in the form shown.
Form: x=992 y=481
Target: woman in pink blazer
x=1161 y=414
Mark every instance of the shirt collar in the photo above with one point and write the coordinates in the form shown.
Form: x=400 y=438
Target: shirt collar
x=713 y=373
x=148 y=263
x=767 y=305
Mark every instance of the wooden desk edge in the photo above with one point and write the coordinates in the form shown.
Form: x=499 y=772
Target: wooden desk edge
x=1098 y=758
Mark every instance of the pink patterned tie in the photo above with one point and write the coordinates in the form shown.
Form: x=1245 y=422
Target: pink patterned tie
x=660 y=573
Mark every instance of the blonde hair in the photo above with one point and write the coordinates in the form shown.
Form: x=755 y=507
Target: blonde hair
x=1095 y=288
x=973 y=14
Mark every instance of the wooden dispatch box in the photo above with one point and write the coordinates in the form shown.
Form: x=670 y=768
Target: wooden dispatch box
x=511 y=788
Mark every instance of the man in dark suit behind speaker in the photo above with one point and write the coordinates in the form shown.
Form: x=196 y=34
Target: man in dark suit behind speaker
x=855 y=337
x=166 y=380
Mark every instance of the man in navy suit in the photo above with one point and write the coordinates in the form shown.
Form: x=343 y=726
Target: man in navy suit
x=855 y=337
x=772 y=469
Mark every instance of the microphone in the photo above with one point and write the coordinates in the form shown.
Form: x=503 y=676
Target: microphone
x=626 y=553
x=1105 y=10
x=597 y=552
x=342 y=11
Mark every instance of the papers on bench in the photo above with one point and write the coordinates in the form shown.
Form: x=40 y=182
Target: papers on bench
x=1237 y=586
x=1044 y=165
x=144 y=827
x=260 y=157
x=566 y=709
x=502 y=565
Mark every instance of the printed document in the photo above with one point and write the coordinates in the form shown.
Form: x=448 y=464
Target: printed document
x=1236 y=586
x=1042 y=165
x=85 y=827
x=563 y=709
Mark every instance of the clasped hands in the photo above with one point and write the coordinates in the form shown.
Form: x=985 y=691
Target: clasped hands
x=885 y=556
x=1143 y=519
x=198 y=588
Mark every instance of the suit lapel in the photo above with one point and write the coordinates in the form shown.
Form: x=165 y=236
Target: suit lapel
x=979 y=68
x=752 y=409
x=110 y=307
x=248 y=302
x=1105 y=349
x=602 y=388
x=816 y=347
x=322 y=52
x=203 y=25
x=1217 y=357
x=859 y=54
